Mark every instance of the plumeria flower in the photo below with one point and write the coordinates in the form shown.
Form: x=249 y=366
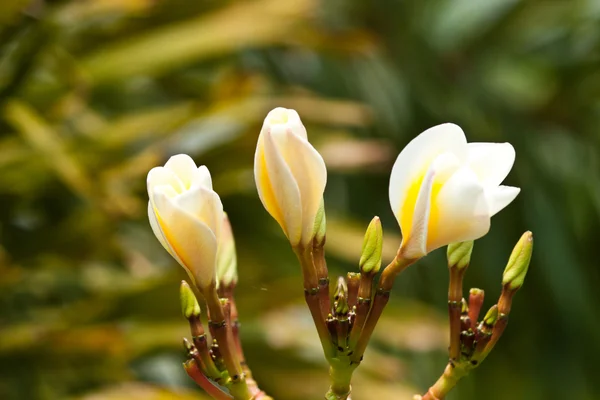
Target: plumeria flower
x=445 y=190
x=290 y=175
x=186 y=216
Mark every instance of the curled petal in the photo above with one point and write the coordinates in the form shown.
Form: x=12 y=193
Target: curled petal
x=157 y=230
x=491 y=161
x=417 y=156
x=284 y=120
x=414 y=239
x=161 y=176
x=310 y=174
x=459 y=212
x=183 y=166
x=499 y=197
x=191 y=240
x=203 y=204
x=278 y=189
x=201 y=177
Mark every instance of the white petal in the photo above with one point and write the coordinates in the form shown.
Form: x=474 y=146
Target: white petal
x=161 y=176
x=183 y=166
x=264 y=184
x=159 y=233
x=191 y=240
x=415 y=159
x=459 y=212
x=285 y=189
x=203 y=204
x=310 y=174
x=414 y=242
x=285 y=120
x=491 y=161
x=201 y=177
x=499 y=197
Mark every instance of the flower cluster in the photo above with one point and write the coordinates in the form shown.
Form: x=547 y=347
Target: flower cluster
x=442 y=191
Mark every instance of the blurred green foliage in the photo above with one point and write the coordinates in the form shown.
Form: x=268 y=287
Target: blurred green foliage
x=94 y=93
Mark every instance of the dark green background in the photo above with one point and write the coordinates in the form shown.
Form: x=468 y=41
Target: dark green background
x=94 y=93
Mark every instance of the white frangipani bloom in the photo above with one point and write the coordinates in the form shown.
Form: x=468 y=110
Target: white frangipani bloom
x=186 y=216
x=445 y=190
x=290 y=175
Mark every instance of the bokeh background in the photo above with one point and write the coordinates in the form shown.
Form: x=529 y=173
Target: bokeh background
x=93 y=93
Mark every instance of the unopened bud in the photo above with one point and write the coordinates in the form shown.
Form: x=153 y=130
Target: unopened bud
x=187 y=345
x=518 y=263
x=226 y=256
x=189 y=304
x=459 y=254
x=340 y=305
x=370 y=259
x=491 y=316
x=320 y=226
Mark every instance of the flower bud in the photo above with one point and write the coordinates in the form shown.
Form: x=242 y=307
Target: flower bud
x=341 y=307
x=370 y=259
x=226 y=256
x=459 y=254
x=290 y=175
x=189 y=304
x=518 y=263
x=186 y=214
x=491 y=316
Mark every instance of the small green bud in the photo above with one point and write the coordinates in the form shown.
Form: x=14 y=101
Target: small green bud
x=226 y=256
x=459 y=254
x=491 y=316
x=341 y=298
x=464 y=306
x=187 y=345
x=518 y=263
x=189 y=304
x=370 y=259
x=320 y=226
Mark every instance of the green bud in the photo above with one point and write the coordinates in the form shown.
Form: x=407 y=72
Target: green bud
x=464 y=306
x=189 y=304
x=320 y=226
x=341 y=298
x=226 y=256
x=491 y=316
x=518 y=263
x=459 y=254
x=370 y=259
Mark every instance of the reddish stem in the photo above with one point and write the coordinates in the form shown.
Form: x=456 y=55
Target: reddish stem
x=191 y=367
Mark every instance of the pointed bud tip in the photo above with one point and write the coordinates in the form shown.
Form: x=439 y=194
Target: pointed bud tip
x=518 y=263
x=370 y=259
x=491 y=316
x=476 y=292
x=189 y=304
x=459 y=254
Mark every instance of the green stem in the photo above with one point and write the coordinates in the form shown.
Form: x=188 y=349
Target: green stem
x=452 y=374
x=340 y=377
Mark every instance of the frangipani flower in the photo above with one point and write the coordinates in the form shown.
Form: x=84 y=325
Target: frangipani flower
x=186 y=216
x=443 y=190
x=290 y=175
